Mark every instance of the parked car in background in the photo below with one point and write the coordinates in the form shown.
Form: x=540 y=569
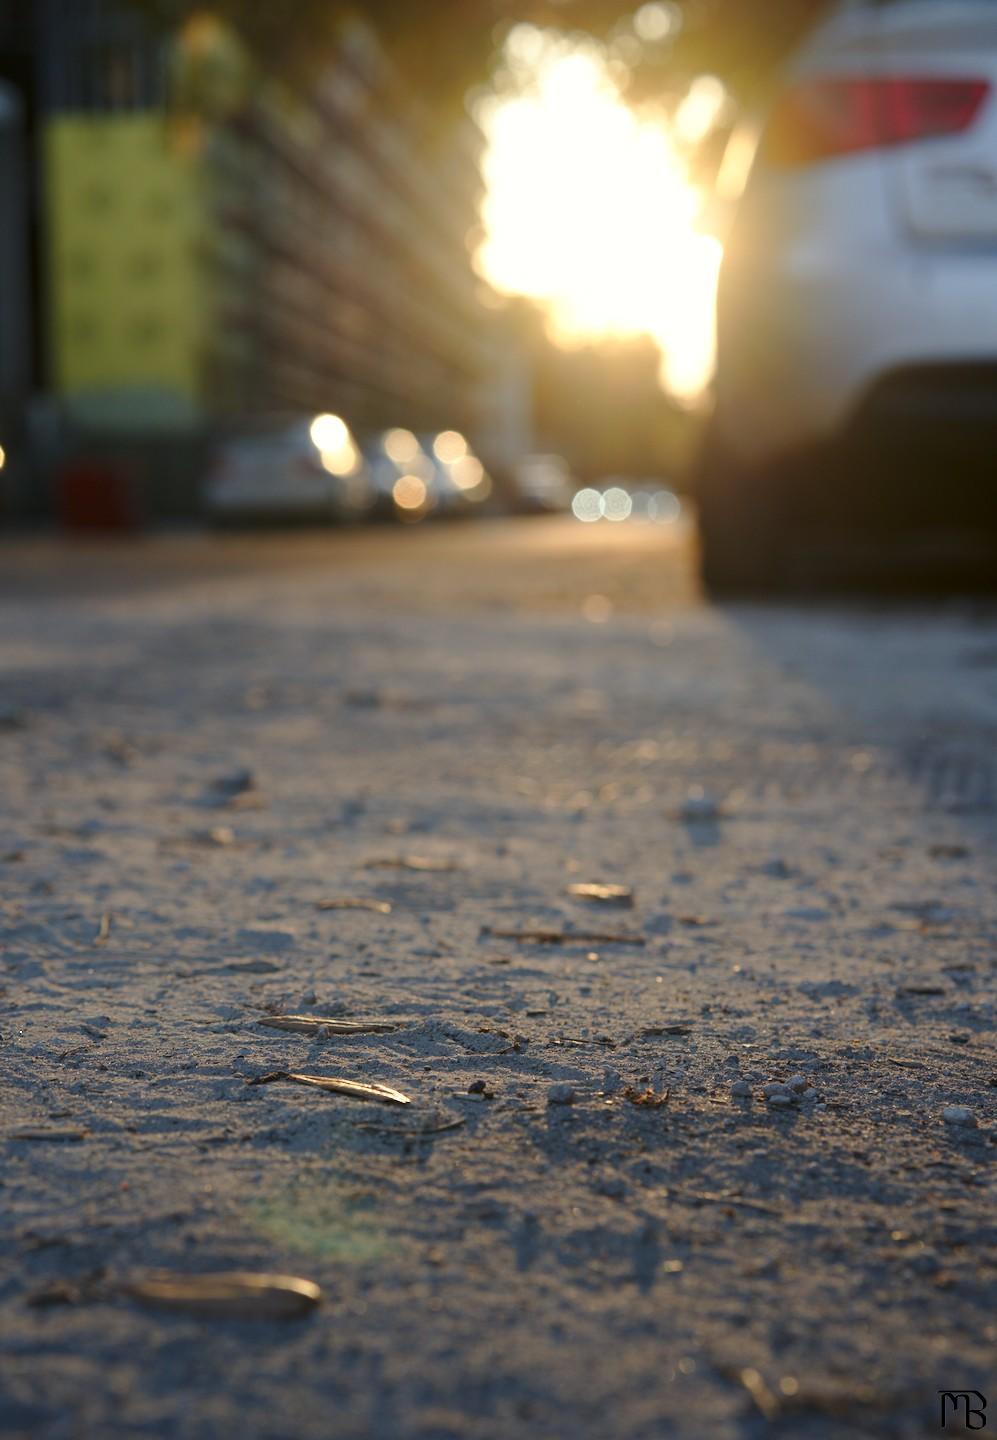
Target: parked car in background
x=544 y=484
x=857 y=311
x=290 y=468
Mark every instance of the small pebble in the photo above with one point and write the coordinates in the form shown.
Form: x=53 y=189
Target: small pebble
x=476 y=1087
x=561 y=1095
x=699 y=807
x=740 y=1088
x=959 y=1115
x=782 y=1100
x=612 y=1186
x=774 y=1087
x=777 y=868
x=797 y=1083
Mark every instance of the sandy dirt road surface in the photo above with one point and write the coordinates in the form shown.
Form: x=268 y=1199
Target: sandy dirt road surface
x=592 y=1222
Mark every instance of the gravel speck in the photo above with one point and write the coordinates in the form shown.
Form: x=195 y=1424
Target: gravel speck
x=561 y=1095
x=959 y=1115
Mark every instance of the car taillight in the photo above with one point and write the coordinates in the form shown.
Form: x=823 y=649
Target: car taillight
x=821 y=118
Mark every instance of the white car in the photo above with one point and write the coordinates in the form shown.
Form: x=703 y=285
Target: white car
x=857 y=307
x=290 y=468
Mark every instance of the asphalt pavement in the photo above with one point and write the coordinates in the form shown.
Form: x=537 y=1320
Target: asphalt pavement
x=708 y=1151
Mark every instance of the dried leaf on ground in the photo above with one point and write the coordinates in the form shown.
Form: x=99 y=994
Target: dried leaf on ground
x=410 y=1131
x=543 y=936
x=722 y=1197
x=354 y=902
x=647 y=1099
x=49 y=1132
x=79 y=1291
x=412 y=862
x=606 y=1041
x=312 y=1024
x=356 y=1089
x=620 y=895
x=232 y=1294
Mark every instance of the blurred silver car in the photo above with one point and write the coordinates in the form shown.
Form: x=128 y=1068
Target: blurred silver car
x=291 y=469
x=857 y=310
x=544 y=484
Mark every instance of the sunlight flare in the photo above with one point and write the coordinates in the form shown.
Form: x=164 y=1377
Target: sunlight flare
x=588 y=210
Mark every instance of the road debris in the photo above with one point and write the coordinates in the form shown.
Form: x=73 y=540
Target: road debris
x=313 y=1024
x=425 y=863
x=582 y=1041
x=236 y=791
x=562 y=1094
x=599 y=894
x=544 y=936
x=227 y=1295
x=959 y=1115
x=84 y=1290
x=646 y=1099
x=60 y=1133
x=218 y=835
x=699 y=808
x=355 y=1089
x=354 y=902
x=407 y=1132
x=103 y=930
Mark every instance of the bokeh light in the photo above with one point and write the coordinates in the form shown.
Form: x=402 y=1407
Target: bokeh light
x=449 y=447
x=467 y=473
x=587 y=505
x=655 y=22
x=331 y=437
x=616 y=503
x=410 y=495
x=401 y=446
x=329 y=432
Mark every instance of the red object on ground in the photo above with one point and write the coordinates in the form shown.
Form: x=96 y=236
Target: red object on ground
x=97 y=494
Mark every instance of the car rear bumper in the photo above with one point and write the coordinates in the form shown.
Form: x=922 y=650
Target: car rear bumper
x=813 y=347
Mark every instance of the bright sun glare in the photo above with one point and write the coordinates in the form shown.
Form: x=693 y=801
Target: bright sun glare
x=588 y=209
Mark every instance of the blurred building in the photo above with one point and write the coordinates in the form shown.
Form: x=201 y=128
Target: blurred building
x=207 y=247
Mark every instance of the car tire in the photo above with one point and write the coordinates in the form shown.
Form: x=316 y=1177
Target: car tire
x=742 y=531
